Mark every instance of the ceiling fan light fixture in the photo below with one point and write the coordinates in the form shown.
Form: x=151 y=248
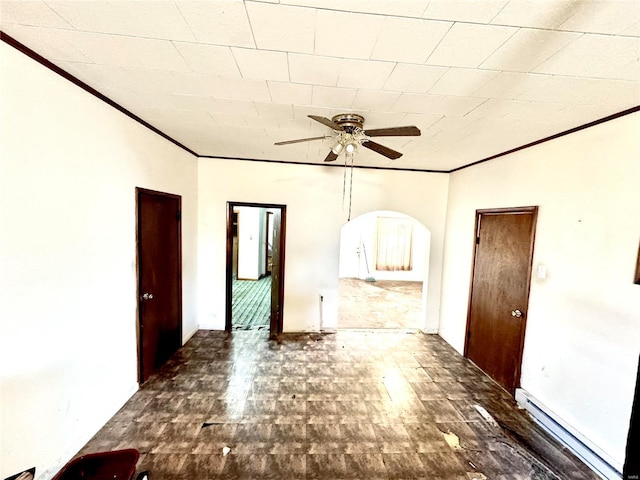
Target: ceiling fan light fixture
x=337 y=147
x=351 y=147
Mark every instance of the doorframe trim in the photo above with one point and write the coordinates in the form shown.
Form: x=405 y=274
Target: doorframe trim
x=229 y=259
x=533 y=210
x=146 y=191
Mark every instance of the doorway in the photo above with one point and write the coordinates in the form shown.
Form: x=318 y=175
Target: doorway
x=255 y=266
x=159 y=279
x=384 y=258
x=499 y=297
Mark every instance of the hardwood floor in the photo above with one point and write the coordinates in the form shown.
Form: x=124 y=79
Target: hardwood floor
x=367 y=405
x=386 y=304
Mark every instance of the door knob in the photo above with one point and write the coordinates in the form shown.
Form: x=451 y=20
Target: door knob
x=516 y=313
x=147 y=296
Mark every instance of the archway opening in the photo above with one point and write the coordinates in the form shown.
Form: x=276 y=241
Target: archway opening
x=384 y=264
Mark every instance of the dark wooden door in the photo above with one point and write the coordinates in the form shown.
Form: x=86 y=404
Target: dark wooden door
x=632 y=459
x=159 y=279
x=275 y=324
x=500 y=292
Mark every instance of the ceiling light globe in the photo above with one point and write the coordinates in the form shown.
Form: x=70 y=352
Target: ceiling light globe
x=337 y=148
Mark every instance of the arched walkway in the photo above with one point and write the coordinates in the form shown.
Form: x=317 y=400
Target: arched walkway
x=384 y=261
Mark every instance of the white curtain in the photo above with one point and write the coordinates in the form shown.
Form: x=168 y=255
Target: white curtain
x=393 y=246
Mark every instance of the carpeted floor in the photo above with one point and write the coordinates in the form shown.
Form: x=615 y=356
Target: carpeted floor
x=251 y=307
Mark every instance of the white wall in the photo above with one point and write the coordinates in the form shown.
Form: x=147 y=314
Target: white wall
x=583 y=329
x=69 y=165
x=359 y=237
x=313 y=195
x=251 y=246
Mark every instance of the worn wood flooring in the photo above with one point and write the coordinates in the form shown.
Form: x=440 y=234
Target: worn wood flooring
x=350 y=405
x=388 y=304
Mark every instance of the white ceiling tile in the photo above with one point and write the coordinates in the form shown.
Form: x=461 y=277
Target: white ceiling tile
x=239 y=88
x=527 y=49
x=52 y=44
x=301 y=113
x=102 y=77
x=277 y=27
x=31 y=13
x=597 y=16
x=574 y=115
x=465 y=114
x=468 y=45
x=208 y=59
x=166 y=82
x=453 y=123
x=401 y=8
x=164 y=119
x=229 y=106
x=363 y=74
x=274 y=110
x=422 y=121
x=516 y=110
x=536 y=13
x=135 y=52
x=260 y=122
x=149 y=19
x=314 y=70
x=374 y=100
x=585 y=91
x=464 y=10
x=295 y=125
x=294 y=93
x=222 y=22
x=330 y=38
x=230 y=120
x=511 y=85
x=435 y=104
x=171 y=101
x=408 y=40
x=633 y=30
x=413 y=78
x=383 y=119
x=462 y=81
x=598 y=56
x=334 y=97
x=262 y=64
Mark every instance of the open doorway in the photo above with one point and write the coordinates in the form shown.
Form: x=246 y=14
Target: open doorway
x=255 y=266
x=384 y=259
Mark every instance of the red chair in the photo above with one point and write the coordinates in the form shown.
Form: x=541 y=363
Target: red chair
x=114 y=465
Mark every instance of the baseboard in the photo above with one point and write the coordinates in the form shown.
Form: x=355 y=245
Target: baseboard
x=585 y=450
x=187 y=337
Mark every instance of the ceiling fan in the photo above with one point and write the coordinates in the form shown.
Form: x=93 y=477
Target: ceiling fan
x=350 y=135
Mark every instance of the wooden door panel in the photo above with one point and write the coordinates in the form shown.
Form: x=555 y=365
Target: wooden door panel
x=274 y=323
x=159 y=279
x=500 y=286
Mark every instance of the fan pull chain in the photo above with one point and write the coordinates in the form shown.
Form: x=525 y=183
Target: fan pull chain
x=344 y=181
x=350 y=186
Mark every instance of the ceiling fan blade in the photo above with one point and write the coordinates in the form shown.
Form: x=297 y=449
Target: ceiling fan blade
x=326 y=121
x=409 y=131
x=331 y=157
x=382 y=150
x=287 y=142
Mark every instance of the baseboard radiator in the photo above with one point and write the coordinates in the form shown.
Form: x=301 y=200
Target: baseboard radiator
x=596 y=459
